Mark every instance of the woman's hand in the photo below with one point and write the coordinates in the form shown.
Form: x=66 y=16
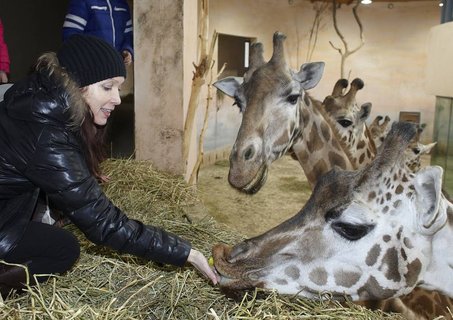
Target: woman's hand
x=127 y=57
x=3 y=77
x=103 y=179
x=198 y=260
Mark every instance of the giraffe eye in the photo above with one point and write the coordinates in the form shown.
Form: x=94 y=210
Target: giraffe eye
x=350 y=231
x=416 y=150
x=292 y=99
x=345 y=123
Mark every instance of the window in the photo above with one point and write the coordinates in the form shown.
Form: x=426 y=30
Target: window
x=234 y=51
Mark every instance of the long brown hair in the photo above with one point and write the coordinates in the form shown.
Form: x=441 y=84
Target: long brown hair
x=93 y=144
x=82 y=121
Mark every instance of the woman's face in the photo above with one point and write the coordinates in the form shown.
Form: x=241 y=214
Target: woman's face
x=102 y=97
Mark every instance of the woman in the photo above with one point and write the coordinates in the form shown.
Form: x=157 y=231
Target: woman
x=50 y=141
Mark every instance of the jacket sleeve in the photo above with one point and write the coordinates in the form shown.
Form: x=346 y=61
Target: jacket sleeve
x=4 y=57
x=76 y=18
x=128 y=34
x=58 y=168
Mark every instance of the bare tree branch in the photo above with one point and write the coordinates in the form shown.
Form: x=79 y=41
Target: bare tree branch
x=338 y=49
x=199 y=75
x=194 y=175
x=356 y=16
x=320 y=9
x=345 y=52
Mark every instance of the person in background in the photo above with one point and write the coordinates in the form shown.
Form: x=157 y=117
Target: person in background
x=50 y=124
x=109 y=20
x=4 y=57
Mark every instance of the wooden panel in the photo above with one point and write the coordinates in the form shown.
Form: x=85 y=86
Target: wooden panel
x=413 y=117
x=409 y=116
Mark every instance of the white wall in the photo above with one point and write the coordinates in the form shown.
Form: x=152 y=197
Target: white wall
x=439 y=71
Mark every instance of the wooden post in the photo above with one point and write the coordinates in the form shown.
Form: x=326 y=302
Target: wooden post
x=194 y=175
x=199 y=78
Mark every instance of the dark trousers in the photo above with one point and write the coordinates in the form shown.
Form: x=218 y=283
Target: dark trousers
x=45 y=249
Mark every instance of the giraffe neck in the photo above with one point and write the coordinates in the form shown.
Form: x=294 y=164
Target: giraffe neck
x=318 y=147
x=363 y=150
x=439 y=274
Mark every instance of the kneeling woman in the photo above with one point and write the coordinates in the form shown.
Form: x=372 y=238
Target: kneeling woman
x=50 y=128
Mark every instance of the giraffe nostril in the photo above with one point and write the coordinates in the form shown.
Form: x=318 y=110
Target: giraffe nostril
x=249 y=153
x=238 y=251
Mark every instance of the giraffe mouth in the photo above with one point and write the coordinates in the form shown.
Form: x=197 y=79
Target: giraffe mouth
x=257 y=182
x=233 y=276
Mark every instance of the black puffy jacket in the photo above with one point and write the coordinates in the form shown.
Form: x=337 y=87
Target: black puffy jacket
x=39 y=150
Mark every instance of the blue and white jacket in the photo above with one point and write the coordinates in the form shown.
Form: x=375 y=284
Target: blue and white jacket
x=107 y=19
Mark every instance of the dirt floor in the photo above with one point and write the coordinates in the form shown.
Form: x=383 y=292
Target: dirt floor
x=283 y=195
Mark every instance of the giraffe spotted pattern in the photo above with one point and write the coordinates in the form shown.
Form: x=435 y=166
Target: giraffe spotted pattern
x=382 y=234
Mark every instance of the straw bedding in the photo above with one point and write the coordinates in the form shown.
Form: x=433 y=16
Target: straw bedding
x=107 y=285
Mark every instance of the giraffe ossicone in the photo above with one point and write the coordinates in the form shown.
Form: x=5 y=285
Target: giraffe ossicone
x=374 y=233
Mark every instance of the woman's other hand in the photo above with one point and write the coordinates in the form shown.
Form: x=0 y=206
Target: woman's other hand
x=3 y=77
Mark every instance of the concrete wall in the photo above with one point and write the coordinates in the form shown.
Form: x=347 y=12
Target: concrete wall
x=439 y=71
x=165 y=36
x=392 y=62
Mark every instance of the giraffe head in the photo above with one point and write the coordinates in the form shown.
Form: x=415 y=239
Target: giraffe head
x=350 y=120
x=364 y=234
x=415 y=149
x=343 y=107
x=414 y=152
x=379 y=130
x=270 y=97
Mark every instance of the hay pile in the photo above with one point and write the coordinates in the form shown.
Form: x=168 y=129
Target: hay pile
x=105 y=285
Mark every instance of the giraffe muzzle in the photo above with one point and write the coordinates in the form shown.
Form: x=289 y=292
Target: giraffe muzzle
x=233 y=275
x=252 y=186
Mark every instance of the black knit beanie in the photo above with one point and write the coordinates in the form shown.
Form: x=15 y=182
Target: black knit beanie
x=89 y=59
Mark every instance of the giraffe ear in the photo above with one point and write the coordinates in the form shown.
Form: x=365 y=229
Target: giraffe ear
x=310 y=74
x=365 y=111
x=426 y=148
x=229 y=85
x=428 y=188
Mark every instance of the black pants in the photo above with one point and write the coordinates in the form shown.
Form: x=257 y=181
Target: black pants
x=45 y=249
